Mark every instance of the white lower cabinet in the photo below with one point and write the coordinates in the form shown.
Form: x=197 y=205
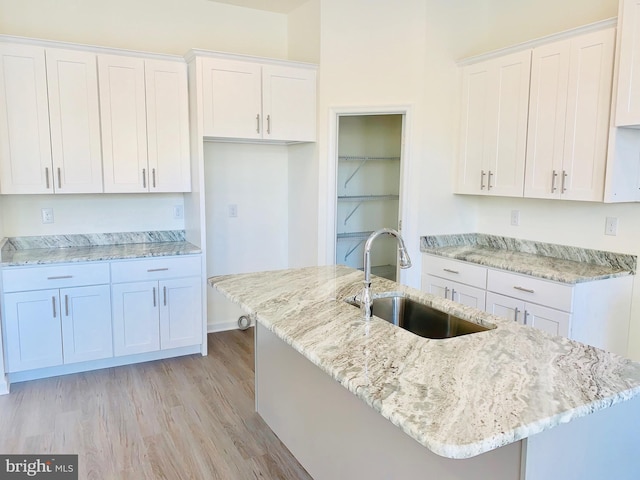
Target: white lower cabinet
x=46 y=328
x=158 y=312
x=547 y=319
x=63 y=314
x=594 y=312
x=458 y=292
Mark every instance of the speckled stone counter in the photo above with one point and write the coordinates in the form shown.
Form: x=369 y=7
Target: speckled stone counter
x=37 y=250
x=544 y=260
x=459 y=397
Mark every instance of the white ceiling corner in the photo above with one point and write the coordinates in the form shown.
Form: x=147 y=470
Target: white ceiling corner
x=276 y=6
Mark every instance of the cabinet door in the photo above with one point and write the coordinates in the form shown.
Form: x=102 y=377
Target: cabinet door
x=477 y=81
x=436 y=286
x=231 y=94
x=86 y=323
x=549 y=320
x=507 y=127
x=628 y=97
x=180 y=312
x=25 y=145
x=493 y=125
x=289 y=103
x=124 y=124
x=72 y=81
x=135 y=318
x=588 y=108
x=466 y=295
x=33 y=337
x=167 y=126
x=505 y=307
x=547 y=118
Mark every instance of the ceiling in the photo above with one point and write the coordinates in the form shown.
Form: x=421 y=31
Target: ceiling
x=276 y=6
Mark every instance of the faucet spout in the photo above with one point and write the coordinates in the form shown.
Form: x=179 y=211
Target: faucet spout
x=404 y=261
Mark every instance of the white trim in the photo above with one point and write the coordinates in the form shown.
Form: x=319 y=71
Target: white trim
x=223 y=326
x=99 y=364
x=4 y=385
x=40 y=42
x=591 y=27
x=193 y=53
x=334 y=112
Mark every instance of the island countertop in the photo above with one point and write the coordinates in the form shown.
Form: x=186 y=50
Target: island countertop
x=458 y=397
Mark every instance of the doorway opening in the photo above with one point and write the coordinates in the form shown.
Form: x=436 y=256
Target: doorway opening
x=368 y=176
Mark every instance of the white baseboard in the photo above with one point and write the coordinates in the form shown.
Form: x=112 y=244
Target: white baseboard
x=223 y=326
x=4 y=385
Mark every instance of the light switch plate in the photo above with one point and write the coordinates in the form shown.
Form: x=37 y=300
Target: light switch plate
x=515 y=217
x=611 y=226
x=47 y=215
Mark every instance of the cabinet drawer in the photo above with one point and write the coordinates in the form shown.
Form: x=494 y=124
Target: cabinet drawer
x=155 y=268
x=462 y=272
x=542 y=292
x=59 y=276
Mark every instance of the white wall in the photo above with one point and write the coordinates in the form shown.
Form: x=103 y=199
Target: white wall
x=378 y=54
x=166 y=26
x=255 y=179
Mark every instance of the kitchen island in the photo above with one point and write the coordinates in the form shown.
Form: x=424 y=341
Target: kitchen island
x=355 y=399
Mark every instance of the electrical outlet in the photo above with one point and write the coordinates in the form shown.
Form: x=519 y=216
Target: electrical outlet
x=47 y=215
x=178 y=212
x=515 y=217
x=611 y=226
x=233 y=210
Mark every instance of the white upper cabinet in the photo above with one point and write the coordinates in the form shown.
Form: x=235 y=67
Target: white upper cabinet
x=569 y=117
x=145 y=124
x=50 y=134
x=628 y=97
x=25 y=146
x=493 y=126
x=232 y=99
x=247 y=100
x=167 y=126
x=72 y=82
x=124 y=124
x=289 y=103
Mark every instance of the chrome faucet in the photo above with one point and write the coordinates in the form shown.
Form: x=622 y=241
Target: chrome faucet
x=366 y=302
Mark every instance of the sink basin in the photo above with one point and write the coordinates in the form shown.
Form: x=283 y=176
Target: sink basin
x=419 y=318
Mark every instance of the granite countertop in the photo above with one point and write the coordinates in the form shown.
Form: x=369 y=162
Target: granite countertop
x=459 y=397
x=21 y=251
x=559 y=263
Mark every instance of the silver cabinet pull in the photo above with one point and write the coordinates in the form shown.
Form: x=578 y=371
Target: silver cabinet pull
x=554 y=175
x=269 y=124
x=53 y=304
x=154 y=296
x=66 y=305
x=526 y=315
x=489 y=180
x=164 y=289
x=482 y=175
x=258 y=123
x=144 y=178
x=60 y=277
x=153 y=177
x=451 y=271
x=446 y=292
x=59 y=178
x=453 y=294
x=46 y=177
x=522 y=289
x=515 y=313
x=158 y=269
x=564 y=181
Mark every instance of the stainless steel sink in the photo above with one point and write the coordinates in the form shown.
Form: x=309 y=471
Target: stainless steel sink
x=419 y=318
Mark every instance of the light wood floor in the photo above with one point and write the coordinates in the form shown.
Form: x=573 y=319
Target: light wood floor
x=185 y=418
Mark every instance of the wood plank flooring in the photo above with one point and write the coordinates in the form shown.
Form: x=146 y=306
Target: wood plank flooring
x=184 y=418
